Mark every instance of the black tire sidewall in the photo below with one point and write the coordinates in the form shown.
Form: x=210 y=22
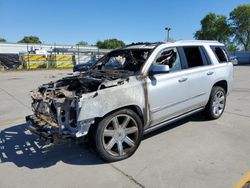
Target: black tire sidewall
x=99 y=133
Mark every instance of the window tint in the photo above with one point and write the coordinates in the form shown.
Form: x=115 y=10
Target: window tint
x=220 y=53
x=193 y=56
x=169 y=57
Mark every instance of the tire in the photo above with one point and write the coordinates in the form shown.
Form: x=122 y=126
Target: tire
x=118 y=135
x=216 y=104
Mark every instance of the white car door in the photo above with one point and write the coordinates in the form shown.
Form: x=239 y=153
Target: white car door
x=201 y=75
x=167 y=92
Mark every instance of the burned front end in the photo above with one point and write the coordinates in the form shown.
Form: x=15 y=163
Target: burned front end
x=68 y=107
x=57 y=105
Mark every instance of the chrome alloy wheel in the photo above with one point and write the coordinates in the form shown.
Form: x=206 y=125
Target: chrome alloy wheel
x=218 y=103
x=120 y=135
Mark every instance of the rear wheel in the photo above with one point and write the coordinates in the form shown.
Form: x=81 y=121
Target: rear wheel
x=118 y=135
x=216 y=104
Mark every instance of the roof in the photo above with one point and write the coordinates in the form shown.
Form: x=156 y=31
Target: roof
x=148 y=45
x=198 y=42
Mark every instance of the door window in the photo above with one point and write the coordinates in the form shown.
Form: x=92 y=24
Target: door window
x=193 y=56
x=170 y=57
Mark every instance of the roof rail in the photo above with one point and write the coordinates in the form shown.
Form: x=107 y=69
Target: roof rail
x=197 y=41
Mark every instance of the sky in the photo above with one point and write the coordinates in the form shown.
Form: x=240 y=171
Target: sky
x=70 y=21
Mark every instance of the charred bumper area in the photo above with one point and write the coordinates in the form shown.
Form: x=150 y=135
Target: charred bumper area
x=55 y=106
x=41 y=128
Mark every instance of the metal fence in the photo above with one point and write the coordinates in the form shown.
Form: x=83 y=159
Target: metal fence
x=35 y=56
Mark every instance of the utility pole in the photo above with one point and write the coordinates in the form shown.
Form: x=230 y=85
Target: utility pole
x=78 y=53
x=28 y=56
x=168 y=30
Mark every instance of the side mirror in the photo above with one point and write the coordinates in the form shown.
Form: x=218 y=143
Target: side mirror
x=159 y=69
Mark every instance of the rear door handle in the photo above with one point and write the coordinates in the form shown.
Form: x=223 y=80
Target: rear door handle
x=182 y=80
x=210 y=73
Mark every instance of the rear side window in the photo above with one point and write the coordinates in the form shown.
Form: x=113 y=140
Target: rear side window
x=221 y=53
x=194 y=56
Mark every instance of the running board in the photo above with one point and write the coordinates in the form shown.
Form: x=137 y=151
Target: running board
x=160 y=125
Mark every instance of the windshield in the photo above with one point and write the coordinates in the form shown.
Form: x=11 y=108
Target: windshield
x=125 y=59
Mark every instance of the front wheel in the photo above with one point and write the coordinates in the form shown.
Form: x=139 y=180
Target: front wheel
x=118 y=135
x=216 y=104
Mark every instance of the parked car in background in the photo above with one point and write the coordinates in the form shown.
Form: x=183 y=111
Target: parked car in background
x=132 y=91
x=234 y=60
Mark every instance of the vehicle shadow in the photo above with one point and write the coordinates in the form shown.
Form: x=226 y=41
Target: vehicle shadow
x=19 y=146
x=193 y=118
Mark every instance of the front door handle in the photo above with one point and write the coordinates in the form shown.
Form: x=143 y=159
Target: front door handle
x=210 y=73
x=182 y=80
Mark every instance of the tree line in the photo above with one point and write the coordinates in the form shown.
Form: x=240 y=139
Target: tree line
x=106 y=44
x=233 y=31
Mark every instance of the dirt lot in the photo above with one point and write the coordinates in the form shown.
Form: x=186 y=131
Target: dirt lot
x=190 y=153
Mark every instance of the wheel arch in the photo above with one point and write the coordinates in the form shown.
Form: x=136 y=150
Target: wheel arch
x=223 y=84
x=134 y=108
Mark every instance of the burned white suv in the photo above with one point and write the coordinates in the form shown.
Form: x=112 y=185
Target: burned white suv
x=132 y=91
